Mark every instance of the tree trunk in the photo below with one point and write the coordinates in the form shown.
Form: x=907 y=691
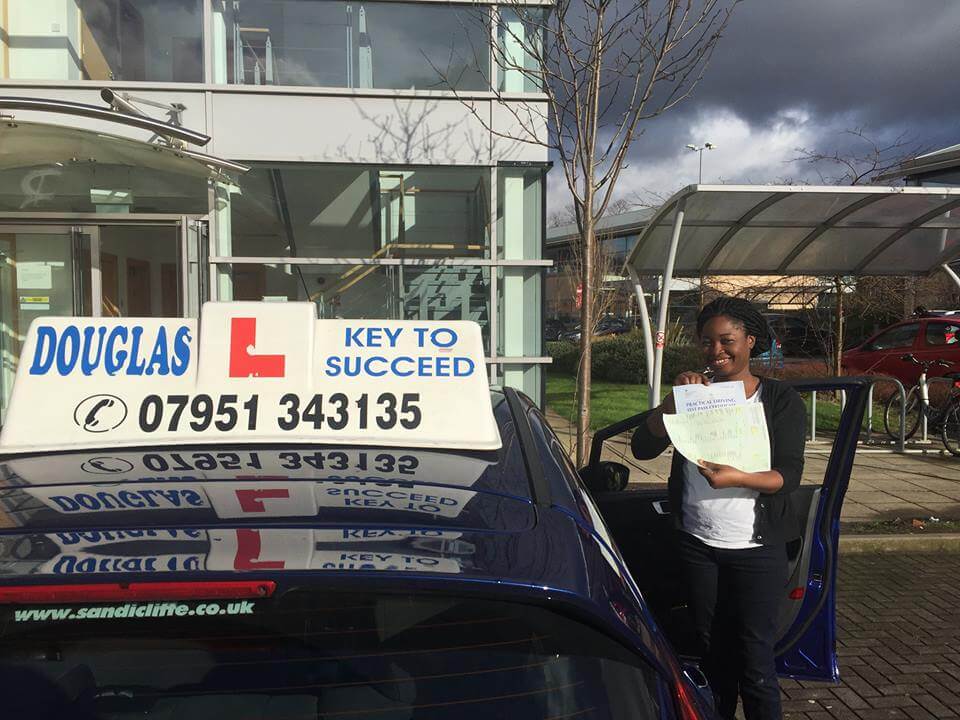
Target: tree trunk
x=584 y=378
x=838 y=327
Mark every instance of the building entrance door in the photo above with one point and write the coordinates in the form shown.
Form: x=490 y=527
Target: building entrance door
x=110 y=269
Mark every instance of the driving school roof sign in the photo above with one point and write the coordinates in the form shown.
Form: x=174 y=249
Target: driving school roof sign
x=249 y=372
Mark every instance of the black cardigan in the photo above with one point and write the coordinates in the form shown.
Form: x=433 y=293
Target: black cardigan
x=786 y=415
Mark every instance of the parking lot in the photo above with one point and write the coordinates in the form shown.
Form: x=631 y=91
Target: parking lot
x=899 y=641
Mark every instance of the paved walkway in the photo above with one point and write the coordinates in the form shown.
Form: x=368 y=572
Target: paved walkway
x=883 y=485
x=899 y=642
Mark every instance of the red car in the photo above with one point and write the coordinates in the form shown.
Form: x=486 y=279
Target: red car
x=926 y=338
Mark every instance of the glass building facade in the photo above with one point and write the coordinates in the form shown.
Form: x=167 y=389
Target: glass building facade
x=370 y=192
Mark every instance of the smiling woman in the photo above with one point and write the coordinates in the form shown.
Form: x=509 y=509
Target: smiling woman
x=734 y=525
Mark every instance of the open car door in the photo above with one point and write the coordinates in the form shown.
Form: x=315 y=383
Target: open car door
x=642 y=527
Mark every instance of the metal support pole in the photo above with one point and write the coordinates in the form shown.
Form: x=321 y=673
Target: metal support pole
x=647 y=331
x=665 y=301
x=813 y=416
x=902 y=440
x=952 y=273
x=924 y=403
x=869 y=437
x=268 y=53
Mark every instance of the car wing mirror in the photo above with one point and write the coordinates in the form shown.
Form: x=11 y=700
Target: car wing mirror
x=605 y=476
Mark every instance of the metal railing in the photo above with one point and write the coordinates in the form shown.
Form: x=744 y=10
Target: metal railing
x=900 y=442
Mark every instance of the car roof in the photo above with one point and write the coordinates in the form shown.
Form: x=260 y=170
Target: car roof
x=80 y=499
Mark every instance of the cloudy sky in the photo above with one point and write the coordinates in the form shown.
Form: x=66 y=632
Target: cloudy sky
x=792 y=74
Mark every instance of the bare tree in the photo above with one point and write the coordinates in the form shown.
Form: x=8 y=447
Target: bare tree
x=606 y=67
x=604 y=266
x=860 y=164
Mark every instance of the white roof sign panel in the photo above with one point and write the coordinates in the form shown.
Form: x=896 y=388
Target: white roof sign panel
x=249 y=373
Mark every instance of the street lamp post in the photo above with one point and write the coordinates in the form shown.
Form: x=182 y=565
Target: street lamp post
x=699 y=149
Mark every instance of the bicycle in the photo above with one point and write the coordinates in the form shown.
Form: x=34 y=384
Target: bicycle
x=945 y=418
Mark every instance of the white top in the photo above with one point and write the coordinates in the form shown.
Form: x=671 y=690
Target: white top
x=719 y=518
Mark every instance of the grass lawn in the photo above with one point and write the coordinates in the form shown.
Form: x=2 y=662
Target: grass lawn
x=611 y=402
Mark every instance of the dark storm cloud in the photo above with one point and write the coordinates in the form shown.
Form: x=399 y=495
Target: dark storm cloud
x=888 y=66
x=791 y=74
x=891 y=60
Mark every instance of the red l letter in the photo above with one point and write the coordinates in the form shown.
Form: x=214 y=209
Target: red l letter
x=248 y=553
x=243 y=336
x=251 y=501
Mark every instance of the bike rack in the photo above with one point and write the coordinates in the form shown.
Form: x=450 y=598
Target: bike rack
x=901 y=441
x=923 y=417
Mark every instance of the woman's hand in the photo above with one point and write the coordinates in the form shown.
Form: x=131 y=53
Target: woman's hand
x=726 y=476
x=669 y=404
x=721 y=476
x=691 y=378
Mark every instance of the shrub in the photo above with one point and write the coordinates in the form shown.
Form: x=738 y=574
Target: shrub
x=622 y=358
x=566 y=356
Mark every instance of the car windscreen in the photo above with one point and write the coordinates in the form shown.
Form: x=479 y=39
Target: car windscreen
x=309 y=654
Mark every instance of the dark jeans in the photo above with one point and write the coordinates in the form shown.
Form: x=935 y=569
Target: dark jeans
x=735 y=597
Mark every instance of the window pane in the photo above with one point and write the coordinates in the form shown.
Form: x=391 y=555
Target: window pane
x=520 y=311
x=444 y=292
x=37 y=278
x=526 y=379
x=345 y=44
x=356 y=211
x=313 y=652
x=940 y=333
x=899 y=337
x=140 y=271
x=156 y=40
x=520 y=35
x=520 y=213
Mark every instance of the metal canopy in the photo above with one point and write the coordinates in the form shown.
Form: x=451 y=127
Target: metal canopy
x=791 y=230
x=802 y=230
x=25 y=144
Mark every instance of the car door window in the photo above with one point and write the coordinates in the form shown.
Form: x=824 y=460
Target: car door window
x=901 y=336
x=941 y=333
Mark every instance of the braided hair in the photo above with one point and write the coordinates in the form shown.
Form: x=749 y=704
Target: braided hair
x=741 y=313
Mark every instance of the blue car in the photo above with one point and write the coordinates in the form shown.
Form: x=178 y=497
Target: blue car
x=307 y=582
x=772 y=359
x=363 y=580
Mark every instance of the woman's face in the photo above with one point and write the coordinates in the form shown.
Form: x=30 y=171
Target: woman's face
x=726 y=347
